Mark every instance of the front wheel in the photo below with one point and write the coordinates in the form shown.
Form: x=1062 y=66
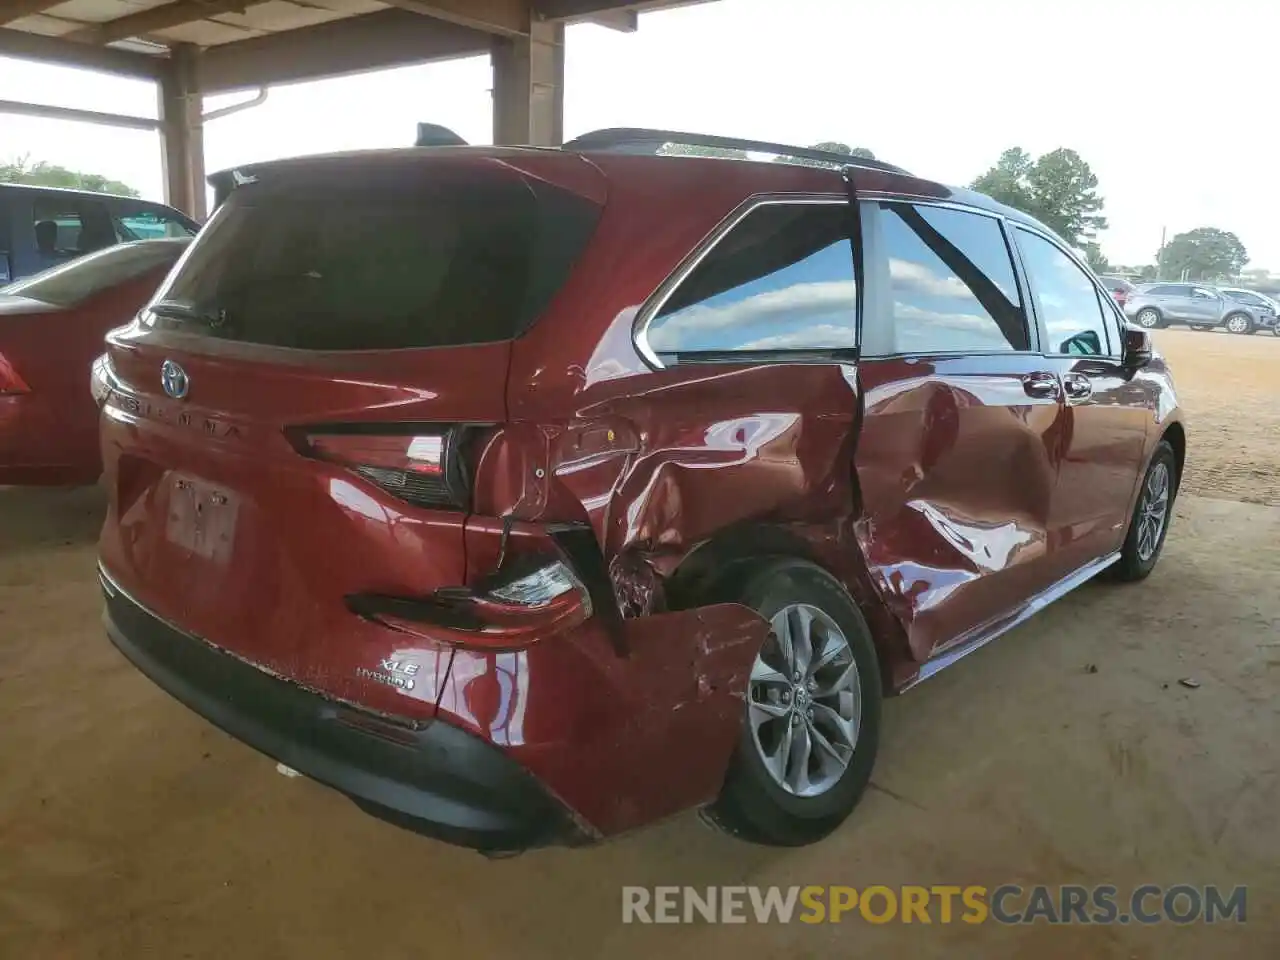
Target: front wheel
x=811 y=721
x=1151 y=515
x=1148 y=318
x=1239 y=323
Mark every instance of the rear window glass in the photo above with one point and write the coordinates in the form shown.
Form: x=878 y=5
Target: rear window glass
x=320 y=263
x=69 y=283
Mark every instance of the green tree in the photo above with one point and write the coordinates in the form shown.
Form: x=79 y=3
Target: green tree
x=1058 y=189
x=835 y=146
x=1094 y=256
x=1205 y=253
x=45 y=174
x=829 y=146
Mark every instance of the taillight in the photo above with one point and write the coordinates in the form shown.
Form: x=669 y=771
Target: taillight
x=416 y=464
x=10 y=382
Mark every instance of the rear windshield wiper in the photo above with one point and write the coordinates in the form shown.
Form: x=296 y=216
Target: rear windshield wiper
x=181 y=310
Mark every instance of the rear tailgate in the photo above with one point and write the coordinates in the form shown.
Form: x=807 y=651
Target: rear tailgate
x=244 y=504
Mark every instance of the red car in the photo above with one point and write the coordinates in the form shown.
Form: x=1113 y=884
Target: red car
x=527 y=496
x=52 y=327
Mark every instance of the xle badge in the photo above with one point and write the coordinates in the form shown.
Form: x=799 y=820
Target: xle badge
x=394 y=673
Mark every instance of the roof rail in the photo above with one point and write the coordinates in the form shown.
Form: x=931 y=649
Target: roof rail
x=644 y=141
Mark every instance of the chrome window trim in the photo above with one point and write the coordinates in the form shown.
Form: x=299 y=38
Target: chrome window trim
x=1099 y=289
x=650 y=308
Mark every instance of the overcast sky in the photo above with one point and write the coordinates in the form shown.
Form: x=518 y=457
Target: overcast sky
x=1172 y=102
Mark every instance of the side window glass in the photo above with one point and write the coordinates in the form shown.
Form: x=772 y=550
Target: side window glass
x=57 y=226
x=1065 y=298
x=952 y=282
x=150 y=225
x=71 y=226
x=781 y=279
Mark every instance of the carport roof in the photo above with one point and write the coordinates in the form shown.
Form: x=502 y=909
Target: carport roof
x=249 y=43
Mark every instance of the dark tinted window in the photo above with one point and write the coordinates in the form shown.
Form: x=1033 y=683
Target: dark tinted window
x=329 y=263
x=1065 y=297
x=68 y=225
x=952 y=282
x=1161 y=290
x=781 y=279
x=69 y=283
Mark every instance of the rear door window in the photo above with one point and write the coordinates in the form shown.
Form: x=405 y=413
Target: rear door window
x=781 y=279
x=326 y=262
x=951 y=284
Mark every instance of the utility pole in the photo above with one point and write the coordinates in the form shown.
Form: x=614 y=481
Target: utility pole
x=1160 y=255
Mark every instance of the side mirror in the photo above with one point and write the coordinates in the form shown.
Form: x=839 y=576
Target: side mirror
x=1137 y=347
x=1086 y=344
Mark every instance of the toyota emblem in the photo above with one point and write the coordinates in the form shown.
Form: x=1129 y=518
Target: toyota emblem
x=174 y=380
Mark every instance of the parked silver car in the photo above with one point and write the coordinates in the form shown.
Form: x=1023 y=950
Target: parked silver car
x=1266 y=304
x=1198 y=305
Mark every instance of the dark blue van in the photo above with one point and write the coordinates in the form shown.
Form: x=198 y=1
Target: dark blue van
x=44 y=226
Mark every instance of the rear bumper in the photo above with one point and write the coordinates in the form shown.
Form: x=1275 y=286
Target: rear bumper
x=432 y=778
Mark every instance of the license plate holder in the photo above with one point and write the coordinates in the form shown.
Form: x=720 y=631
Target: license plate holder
x=202 y=519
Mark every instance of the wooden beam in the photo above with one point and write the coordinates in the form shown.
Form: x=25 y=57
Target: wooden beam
x=11 y=10
x=30 y=46
x=624 y=21
x=588 y=9
x=371 y=41
x=505 y=18
x=157 y=18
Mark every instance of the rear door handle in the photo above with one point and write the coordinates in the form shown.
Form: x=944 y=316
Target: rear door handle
x=1041 y=384
x=1078 y=387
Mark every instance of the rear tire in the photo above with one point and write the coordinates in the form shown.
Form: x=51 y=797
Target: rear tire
x=1149 y=318
x=1144 y=543
x=796 y=798
x=1239 y=323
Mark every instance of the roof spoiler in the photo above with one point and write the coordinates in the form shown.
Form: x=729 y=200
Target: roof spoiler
x=429 y=135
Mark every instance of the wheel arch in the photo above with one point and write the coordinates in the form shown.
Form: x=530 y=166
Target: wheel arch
x=708 y=571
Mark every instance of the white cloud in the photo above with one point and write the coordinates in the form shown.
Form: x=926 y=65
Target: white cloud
x=799 y=304
x=818 y=336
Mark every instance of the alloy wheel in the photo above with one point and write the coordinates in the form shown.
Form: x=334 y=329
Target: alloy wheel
x=1153 y=512
x=1237 y=324
x=805 y=701
x=1148 y=319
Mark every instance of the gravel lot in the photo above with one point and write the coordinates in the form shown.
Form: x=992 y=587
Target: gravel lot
x=129 y=827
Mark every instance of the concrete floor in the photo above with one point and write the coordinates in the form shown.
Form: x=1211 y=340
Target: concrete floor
x=129 y=827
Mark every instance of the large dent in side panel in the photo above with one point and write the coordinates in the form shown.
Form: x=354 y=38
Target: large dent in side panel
x=957 y=475
x=659 y=473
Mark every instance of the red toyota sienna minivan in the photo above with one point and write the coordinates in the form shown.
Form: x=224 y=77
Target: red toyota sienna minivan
x=526 y=496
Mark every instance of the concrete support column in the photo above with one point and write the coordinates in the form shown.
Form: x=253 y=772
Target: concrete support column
x=528 y=86
x=182 y=132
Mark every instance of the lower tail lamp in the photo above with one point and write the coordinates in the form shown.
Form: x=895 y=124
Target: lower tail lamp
x=541 y=587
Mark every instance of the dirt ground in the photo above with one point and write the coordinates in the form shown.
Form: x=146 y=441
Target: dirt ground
x=129 y=827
